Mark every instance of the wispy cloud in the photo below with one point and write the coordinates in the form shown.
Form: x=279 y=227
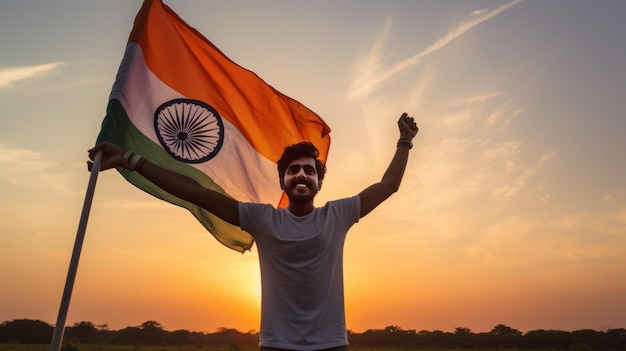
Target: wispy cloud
x=23 y=167
x=476 y=98
x=469 y=158
x=138 y=205
x=513 y=243
x=10 y=75
x=474 y=19
x=511 y=187
x=504 y=113
x=22 y=159
x=368 y=73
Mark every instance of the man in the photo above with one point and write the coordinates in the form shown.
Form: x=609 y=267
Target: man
x=300 y=248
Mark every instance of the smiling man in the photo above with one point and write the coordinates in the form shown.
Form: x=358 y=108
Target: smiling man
x=300 y=247
x=300 y=174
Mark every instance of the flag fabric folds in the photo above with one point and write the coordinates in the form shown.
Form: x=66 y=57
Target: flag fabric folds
x=181 y=103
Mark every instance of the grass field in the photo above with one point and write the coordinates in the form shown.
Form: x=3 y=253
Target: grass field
x=81 y=347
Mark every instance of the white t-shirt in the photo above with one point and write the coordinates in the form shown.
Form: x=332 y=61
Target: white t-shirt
x=301 y=261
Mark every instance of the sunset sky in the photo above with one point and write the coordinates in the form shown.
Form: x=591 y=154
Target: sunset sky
x=513 y=206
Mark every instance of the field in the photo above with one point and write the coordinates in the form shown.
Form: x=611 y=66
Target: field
x=80 y=347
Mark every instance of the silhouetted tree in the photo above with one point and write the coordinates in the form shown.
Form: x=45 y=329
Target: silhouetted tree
x=229 y=336
x=463 y=338
x=126 y=336
x=462 y=331
x=593 y=339
x=504 y=336
x=616 y=338
x=84 y=332
x=26 y=331
x=554 y=339
x=185 y=337
x=503 y=330
x=152 y=333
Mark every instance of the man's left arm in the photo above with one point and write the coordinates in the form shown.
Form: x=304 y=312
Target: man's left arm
x=376 y=193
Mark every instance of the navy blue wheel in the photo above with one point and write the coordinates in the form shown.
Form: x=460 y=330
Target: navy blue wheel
x=190 y=131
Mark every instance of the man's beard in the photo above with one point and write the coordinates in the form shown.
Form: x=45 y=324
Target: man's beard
x=297 y=198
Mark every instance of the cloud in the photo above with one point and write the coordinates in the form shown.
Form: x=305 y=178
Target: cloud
x=474 y=19
x=369 y=73
x=513 y=243
x=503 y=114
x=467 y=161
x=23 y=167
x=10 y=75
x=480 y=97
x=547 y=156
x=511 y=187
x=22 y=160
x=138 y=205
x=366 y=76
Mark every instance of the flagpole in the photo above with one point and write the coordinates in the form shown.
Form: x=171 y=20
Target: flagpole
x=59 y=327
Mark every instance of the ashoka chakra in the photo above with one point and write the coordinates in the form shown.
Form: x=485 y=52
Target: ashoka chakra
x=189 y=130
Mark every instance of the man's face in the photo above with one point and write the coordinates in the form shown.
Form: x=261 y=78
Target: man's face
x=300 y=181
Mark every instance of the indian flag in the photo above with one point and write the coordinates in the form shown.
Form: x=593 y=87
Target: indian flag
x=181 y=103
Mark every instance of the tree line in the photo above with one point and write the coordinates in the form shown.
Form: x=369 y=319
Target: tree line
x=27 y=331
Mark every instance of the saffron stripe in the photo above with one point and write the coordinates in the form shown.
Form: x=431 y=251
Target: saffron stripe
x=140 y=92
x=267 y=118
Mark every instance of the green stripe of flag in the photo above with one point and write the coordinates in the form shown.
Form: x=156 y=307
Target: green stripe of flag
x=119 y=130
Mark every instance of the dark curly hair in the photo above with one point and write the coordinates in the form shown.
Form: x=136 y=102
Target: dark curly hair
x=294 y=152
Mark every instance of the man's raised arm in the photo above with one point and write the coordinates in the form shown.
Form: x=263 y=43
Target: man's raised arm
x=376 y=193
x=174 y=183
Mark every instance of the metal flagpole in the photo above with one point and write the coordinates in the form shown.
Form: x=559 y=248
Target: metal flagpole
x=59 y=327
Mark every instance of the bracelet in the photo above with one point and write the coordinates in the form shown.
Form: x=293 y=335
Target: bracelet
x=405 y=143
x=127 y=157
x=133 y=161
x=140 y=163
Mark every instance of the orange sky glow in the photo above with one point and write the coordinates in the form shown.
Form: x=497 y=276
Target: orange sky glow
x=513 y=206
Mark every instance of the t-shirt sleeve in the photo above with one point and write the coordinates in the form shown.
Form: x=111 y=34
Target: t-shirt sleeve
x=355 y=208
x=252 y=214
x=347 y=210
